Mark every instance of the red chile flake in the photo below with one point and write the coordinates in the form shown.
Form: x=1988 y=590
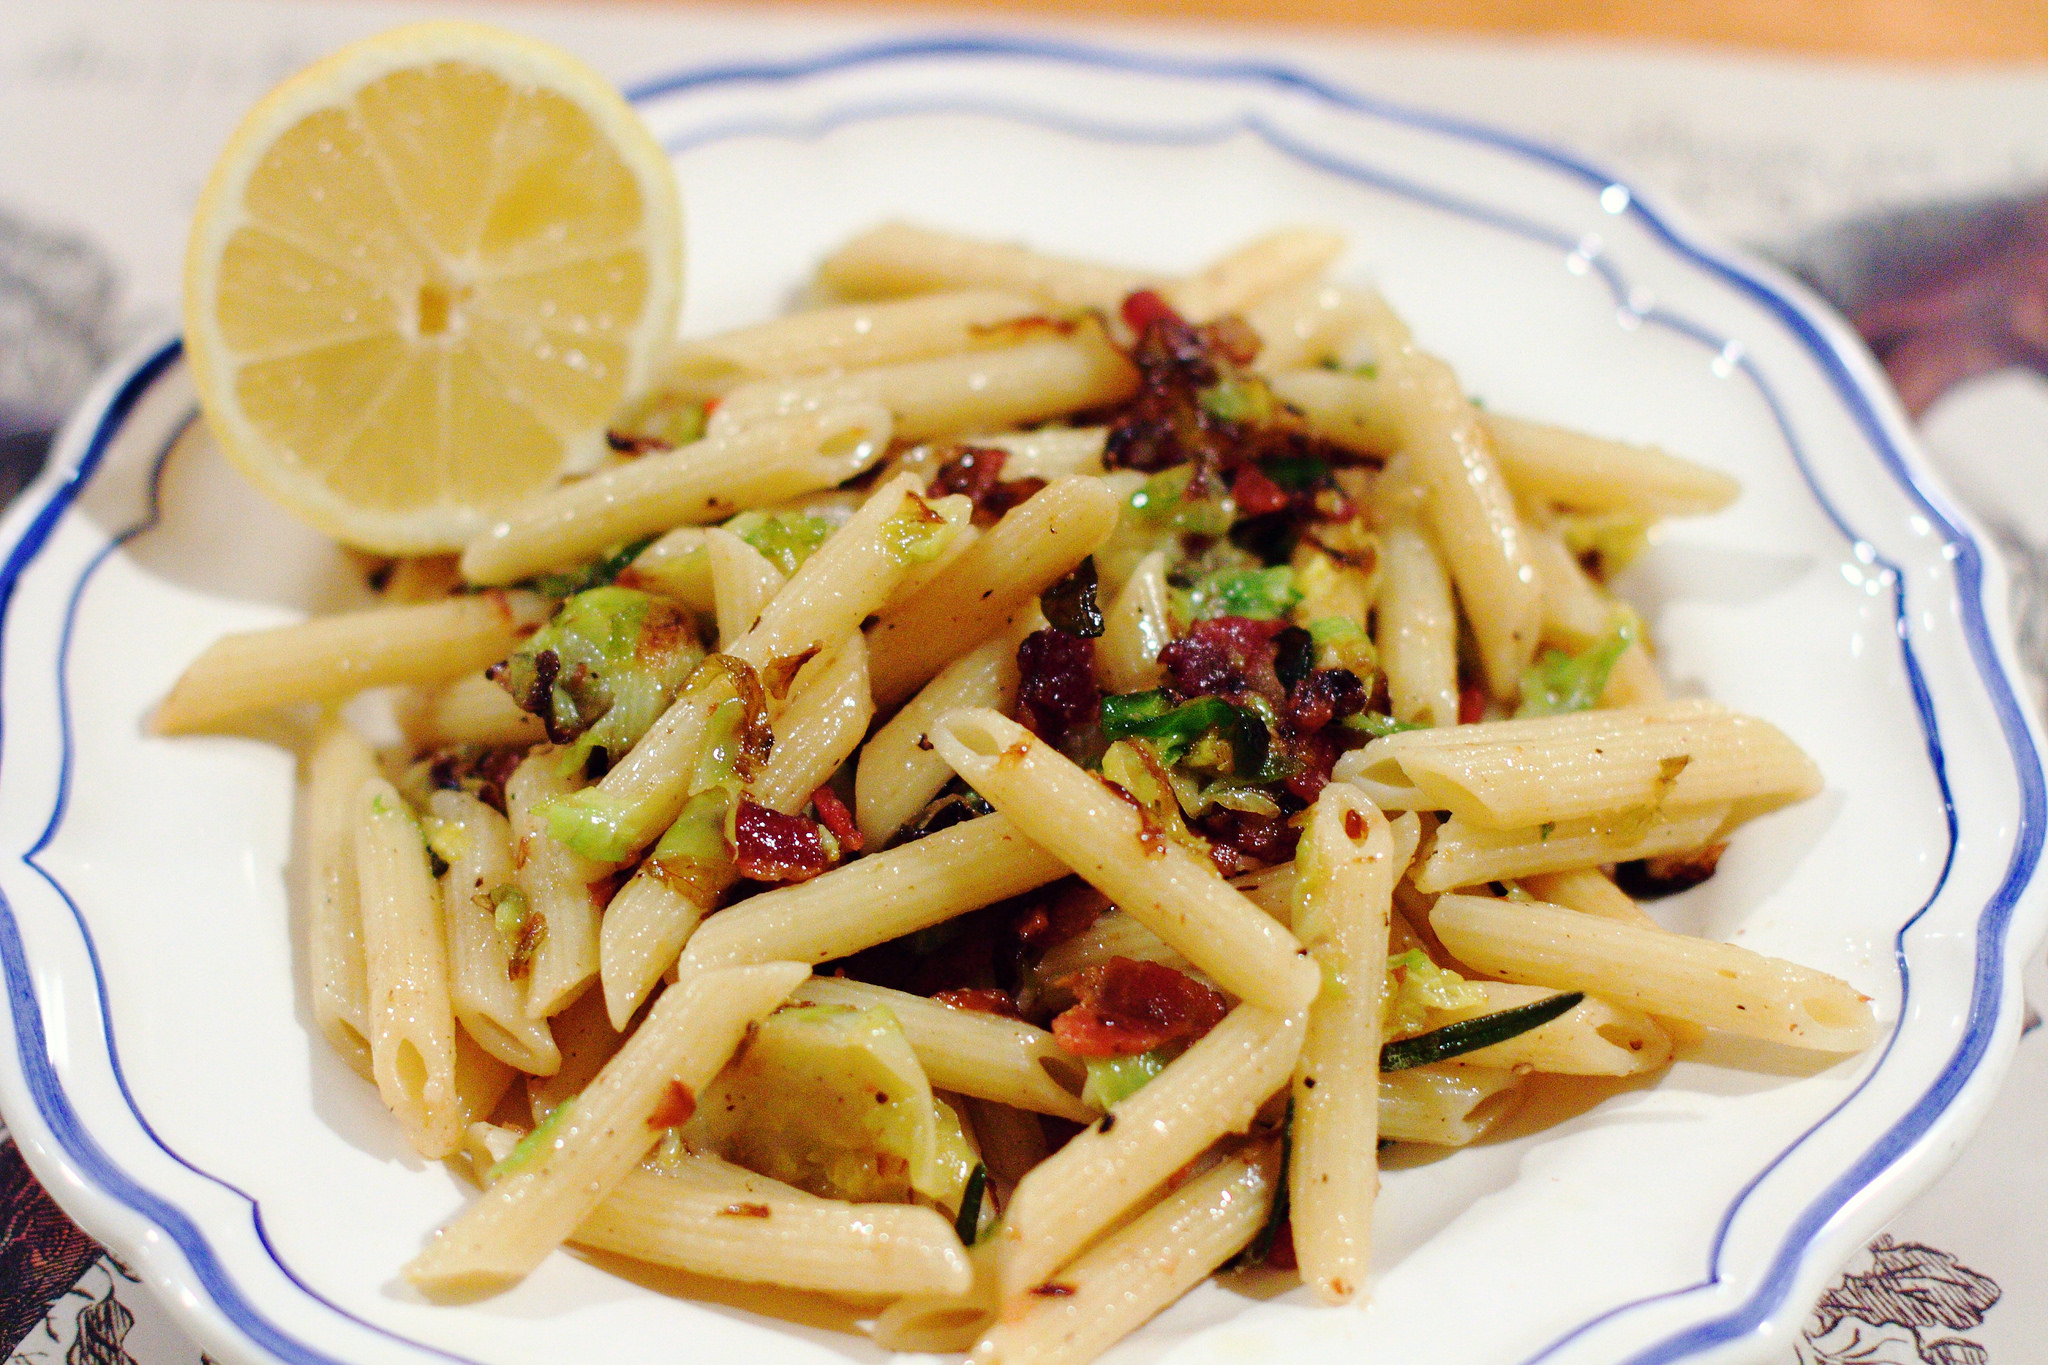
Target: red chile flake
x=1471 y=703
x=769 y=846
x=1146 y=307
x=675 y=1109
x=1354 y=825
x=1052 y=1290
x=834 y=815
x=1256 y=495
x=1126 y=1007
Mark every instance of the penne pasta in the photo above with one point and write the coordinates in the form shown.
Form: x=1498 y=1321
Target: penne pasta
x=949 y=396
x=488 y=992
x=1465 y=854
x=742 y=582
x=1418 y=628
x=899 y=258
x=1716 y=985
x=900 y=772
x=1519 y=774
x=339 y=765
x=333 y=657
x=412 y=1024
x=851 y=337
x=1445 y=1106
x=470 y=710
x=877 y=898
x=559 y=887
x=1343 y=894
x=1118 y=1286
x=1595 y=1038
x=1258 y=270
x=726 y=472
x=1597 y=475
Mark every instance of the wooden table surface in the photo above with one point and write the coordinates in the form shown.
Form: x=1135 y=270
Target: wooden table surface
x=1934 y=31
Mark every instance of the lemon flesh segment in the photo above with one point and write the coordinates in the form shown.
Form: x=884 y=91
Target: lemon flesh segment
x=424 y=275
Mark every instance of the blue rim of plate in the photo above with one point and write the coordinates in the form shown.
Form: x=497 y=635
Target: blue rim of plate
x=1993 y=924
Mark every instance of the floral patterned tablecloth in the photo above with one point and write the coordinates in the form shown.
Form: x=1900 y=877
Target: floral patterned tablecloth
x=1915 y=202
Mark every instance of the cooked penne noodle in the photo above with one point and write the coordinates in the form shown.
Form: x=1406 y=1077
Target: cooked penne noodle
x=1517 y=774
x=742 y=582
x=1213 y=1088
x=340 y=763
x=726 y=472
x=877 y=898
x=828 y=714
x=850 y=337
x=470 y=710
x=1076 y=817
x=1445 y=1106
x=559 y=886
x=490 y=1002
x=1465 y=854
x=983 y=1055
x=412 y=1024
x=1118 y=1286
x=1418 y=628
x=1241 y=279
x=1598 y=475
x=1344 y=886
x=1589 y=891
x=1135 y=628
x=1306 y=326
x=950 y=396
x=333 y=657
x=1596 y=1038
x=900 y=772
x=604 y=1132
x=1717 y=985
x=1034 y=546
x=936 y=1323
x=899 y=258
x=695 y=1212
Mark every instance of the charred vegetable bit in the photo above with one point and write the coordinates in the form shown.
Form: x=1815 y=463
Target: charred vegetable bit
x=471 y=768
x=784 y=539
x=1469 y=1035
x=601 y=671
x=977 y=473
x=659 y=421
x=1559 y=682
x=596 y=574
x=959 y=802
x=1179 y=499
x=968 y=1224
x=1649 y=879
x=1070 y=605
x=1125 y=1007
x=916 y=534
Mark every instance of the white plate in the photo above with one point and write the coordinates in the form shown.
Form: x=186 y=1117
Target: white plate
x=158 y=1065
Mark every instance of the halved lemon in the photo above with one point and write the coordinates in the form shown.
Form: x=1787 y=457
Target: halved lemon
x=422 y=275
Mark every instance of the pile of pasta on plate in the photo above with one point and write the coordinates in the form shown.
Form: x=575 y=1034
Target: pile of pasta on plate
x=1008 y=789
